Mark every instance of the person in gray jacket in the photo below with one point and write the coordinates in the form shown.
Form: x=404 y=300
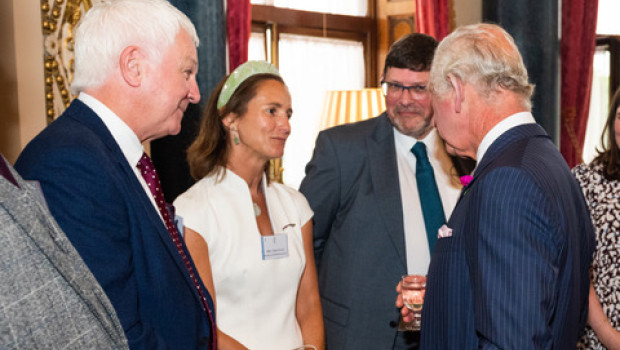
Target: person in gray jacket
x=49 y=299
x=371 y=221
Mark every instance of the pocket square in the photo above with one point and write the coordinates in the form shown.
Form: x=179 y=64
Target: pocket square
x=444 y=231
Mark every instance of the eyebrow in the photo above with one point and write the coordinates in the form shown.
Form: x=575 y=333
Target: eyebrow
x=190 y=60
x=274 y=104
x=413 y=84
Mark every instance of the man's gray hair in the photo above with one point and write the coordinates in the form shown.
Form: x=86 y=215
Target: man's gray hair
x=112 y=25
x=483 y=55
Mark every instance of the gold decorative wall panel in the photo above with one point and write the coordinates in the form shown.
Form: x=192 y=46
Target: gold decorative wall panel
x=58 y=19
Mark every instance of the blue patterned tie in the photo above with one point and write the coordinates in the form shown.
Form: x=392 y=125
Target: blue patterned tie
x=432 y=209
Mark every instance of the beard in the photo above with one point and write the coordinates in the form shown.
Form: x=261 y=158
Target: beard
x=409 y=109
x=416 y=123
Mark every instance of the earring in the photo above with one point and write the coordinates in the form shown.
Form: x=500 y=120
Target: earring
x=235 y=137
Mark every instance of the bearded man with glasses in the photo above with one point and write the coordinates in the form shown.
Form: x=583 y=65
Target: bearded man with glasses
x=380 y=189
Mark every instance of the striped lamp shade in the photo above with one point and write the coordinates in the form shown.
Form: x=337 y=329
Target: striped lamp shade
x=348 y=106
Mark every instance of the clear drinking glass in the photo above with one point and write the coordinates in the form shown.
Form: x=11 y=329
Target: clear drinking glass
x=413 y=288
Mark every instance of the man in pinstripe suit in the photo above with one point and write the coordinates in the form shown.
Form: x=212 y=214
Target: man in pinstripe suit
x=510 y=269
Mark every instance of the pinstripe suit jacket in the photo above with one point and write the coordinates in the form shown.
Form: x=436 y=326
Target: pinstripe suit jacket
x=514 y=273
x=48 y=297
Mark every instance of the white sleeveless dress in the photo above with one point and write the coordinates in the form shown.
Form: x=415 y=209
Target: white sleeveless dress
x=256 y=298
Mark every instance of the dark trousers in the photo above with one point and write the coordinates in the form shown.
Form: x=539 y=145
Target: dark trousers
x=408 y=340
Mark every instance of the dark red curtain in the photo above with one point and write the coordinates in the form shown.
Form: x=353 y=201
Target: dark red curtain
x=577 y=49
x=433 y=17
x=238 y=27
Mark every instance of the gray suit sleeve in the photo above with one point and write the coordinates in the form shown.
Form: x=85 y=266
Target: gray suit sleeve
x=321 y=186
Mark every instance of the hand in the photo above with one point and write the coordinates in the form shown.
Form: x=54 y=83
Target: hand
x=404 y=311
x=597 y=319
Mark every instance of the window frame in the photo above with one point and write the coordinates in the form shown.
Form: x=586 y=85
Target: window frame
x=283 y=20
x=611 y=43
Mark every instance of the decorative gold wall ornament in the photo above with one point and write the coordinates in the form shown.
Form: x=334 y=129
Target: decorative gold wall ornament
x=58 y=19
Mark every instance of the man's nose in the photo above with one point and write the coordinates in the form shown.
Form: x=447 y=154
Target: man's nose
x=194 y=92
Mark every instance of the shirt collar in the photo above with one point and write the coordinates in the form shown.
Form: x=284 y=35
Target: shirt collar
x=500 y=128
x=126 y=139
x=406 y=142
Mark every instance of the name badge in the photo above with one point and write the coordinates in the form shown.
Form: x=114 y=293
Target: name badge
x=275 y=247
x=178 y=221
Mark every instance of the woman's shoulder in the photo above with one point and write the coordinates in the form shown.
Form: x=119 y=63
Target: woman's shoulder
x=286 y=190
x=591 y=175
x=586 y=169
x=198 y=190
x=297 y=202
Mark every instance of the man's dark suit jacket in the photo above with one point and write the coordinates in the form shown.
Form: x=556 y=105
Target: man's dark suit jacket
x=514 y=273
x=353 y=188
x=99 y=202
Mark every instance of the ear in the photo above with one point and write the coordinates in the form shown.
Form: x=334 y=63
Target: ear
x=130 y=63
x=230 y=121
x=457 y=86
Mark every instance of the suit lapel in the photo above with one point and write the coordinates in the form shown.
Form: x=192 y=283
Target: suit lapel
x=384 y=177
x=86 y=116
x=37 y=223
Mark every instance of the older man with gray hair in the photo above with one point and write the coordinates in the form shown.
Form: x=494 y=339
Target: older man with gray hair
x=510 y=269
x=135 y=71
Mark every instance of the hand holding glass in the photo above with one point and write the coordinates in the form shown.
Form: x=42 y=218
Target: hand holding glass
x=413 y=288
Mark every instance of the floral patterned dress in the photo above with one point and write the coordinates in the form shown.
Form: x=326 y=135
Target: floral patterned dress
x=603 y=198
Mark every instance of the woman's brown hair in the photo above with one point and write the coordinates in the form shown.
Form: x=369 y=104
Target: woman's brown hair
x=609 y=155
x=209 y=152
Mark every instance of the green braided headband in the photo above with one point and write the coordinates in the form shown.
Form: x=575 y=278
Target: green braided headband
x=240 y=74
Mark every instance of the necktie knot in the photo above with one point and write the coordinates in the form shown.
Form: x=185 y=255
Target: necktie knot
x=145 y=163
x=419 y=151
x=149 y=174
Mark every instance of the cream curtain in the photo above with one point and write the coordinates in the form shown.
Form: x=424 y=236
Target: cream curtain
x=311 y=66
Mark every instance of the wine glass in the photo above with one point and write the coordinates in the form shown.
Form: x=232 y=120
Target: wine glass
x=413 y=288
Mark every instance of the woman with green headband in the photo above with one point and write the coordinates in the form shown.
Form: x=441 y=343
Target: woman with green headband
x=251 y=240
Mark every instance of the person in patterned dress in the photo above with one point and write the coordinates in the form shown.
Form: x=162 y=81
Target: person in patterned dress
x=600 y=182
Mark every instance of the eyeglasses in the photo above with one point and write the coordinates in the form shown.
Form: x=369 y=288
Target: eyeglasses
x=394 y=90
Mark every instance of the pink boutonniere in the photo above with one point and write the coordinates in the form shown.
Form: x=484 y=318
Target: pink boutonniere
x=465 y=180
x=444 y=231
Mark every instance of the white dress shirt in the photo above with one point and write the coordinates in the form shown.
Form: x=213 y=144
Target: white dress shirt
x=126 y=139
x=416 y=242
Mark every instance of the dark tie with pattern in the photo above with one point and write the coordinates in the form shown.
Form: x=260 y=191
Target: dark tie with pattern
x=432 y=209
x=147 y=169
